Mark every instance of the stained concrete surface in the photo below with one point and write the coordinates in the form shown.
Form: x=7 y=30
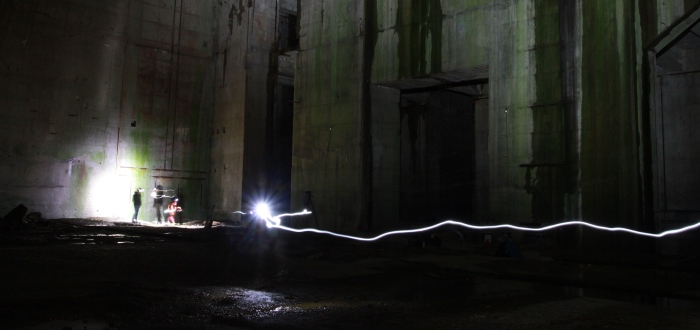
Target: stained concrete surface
x=95 y=274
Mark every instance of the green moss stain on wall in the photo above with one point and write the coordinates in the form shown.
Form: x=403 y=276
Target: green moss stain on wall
x=648 y=19
x=475 y=25
x=191 y=126
x=416 y=38
x=608 y=143
x=458 y=4
x=519 y=118
x=510 y=117
x=97 y=157
x=419 y=27
x=137 y=153
x=544 y=175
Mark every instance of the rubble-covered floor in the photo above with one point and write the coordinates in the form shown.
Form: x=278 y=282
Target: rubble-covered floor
x=89 y=274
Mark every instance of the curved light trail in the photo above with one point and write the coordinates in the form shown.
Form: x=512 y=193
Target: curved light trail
x=263 y=212
x=156 y=196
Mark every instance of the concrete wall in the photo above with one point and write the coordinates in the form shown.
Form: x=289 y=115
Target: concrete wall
x=228 y=123
x=609 y=155
x=405 y=44
x=101 y=98
x=386 y=157
x=512 y=94
x=98 y=99
x=564 y=108
x=246 y=66
x=261 y=76
x=328 y=140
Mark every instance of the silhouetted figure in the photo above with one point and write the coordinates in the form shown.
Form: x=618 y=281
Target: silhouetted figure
x=136 y=199
x=158 y=202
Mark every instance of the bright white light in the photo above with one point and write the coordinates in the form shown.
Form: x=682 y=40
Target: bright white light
x=262 y=210
x=101 y=200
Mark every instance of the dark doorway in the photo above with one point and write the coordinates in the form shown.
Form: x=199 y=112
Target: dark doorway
x=287 y=35
x=280 y=167
x=672 y=178
x=437 y=156
x=676 y=116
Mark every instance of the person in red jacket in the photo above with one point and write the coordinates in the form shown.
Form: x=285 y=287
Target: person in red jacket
x=171 y=210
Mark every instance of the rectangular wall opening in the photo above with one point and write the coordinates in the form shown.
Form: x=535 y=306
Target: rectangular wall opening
x=438 y=162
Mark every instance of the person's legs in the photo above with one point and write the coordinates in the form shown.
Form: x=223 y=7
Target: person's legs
x=159 y=212
x=136 y=213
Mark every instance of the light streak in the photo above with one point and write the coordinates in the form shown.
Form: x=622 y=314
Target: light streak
x=263 y=212
x=155 y=195
x=456 y=223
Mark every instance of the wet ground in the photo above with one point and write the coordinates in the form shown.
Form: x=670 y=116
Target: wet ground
x=91 y=274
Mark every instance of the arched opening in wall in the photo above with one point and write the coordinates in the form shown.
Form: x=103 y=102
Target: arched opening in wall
x=430 y=149
x=675 y=80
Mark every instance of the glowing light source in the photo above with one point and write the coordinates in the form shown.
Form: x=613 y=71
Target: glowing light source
x=263 y=211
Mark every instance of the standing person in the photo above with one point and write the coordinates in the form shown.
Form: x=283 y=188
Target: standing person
x=136 y=199
x=158 y=202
